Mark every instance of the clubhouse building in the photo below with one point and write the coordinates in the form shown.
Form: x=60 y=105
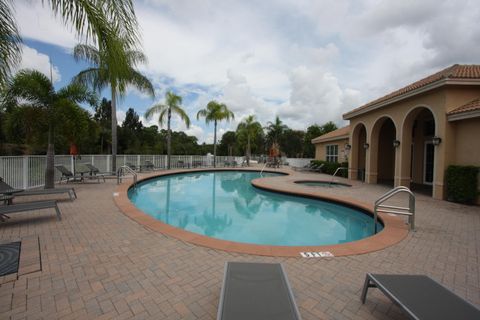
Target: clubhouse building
x=410 y=136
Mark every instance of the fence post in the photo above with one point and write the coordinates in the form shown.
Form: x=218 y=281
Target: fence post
x=108 y=163
x=25 y=172
x=138 y=161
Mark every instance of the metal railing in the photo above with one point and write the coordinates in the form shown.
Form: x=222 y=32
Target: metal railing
x=121 y=172
x=335 y=173
x=406 y=211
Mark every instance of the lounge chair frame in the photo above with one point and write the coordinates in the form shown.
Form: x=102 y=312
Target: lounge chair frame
x=7 y=190
x=254 y=316
x=29 y=206
x=427 y=299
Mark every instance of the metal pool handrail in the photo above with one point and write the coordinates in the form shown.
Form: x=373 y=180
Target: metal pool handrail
x=120 y=172
x=335 y=173
x=410 y=211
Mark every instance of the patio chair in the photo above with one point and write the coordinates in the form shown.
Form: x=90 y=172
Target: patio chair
x=131 y=166
x=28 y=206
x=147 y=165
x=87 y=171
x=95 y=171
x=421 y=297
x=256 y=291
x=8 y=192
x=67 y=175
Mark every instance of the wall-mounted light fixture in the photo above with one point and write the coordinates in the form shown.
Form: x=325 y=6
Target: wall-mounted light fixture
x=366 y=145
x=348 y=147
x=396 y=143
x=436 y=140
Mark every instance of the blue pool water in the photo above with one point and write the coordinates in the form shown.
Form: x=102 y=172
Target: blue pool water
x=224 y=205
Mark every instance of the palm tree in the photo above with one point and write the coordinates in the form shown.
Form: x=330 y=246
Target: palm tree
x=36 y=90
x=116 y=70
x=249 y=129
x=215 y=112
x=172 y=104
x=275 y=130
x=100 y=20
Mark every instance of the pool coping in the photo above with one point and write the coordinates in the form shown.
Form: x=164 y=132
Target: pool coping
x=302 y=181
x=393 y=232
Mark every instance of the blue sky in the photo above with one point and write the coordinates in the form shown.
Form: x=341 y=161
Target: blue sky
x=307 y=61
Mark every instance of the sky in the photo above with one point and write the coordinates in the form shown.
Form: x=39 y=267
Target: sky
x=306 y=61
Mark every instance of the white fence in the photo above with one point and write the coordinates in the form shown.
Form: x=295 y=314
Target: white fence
x=29 y=171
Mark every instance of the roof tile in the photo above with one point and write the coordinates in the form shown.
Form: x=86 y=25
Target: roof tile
x=456 y=71
x=470 y=106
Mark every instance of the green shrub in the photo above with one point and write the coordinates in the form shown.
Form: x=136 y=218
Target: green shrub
x=330 y=167
x=462 y=184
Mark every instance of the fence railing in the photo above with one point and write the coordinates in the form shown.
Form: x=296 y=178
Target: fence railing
x=28 y=172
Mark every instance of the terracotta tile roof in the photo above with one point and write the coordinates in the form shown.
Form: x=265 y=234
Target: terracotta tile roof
x=470 y=106
x=333 y=134
x=456 y=71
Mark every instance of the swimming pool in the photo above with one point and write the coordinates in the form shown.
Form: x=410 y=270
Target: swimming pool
x=224 y=205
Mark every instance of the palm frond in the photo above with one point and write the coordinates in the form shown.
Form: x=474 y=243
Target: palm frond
x=77 y=93
x=10 y=42
x=32 y=86
x=87 y=53
x=95 y=78
x=182 y=114
x=157 y=108
x=141 y=82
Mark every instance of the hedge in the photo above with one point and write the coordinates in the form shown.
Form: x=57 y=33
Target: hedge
x=462 y=184
x=330 y=167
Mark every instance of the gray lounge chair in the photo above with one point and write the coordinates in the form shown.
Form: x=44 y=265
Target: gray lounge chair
x=421 y=297
x=147 y=165
x=67 y=175
x=28 y=206
x=7 y=190
x=131 y=166
x=89 y=172
x=256 y=291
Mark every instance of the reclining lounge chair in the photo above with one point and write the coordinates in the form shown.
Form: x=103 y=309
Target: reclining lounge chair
x=256 y=291
x=67 y=175
x=8 y=190
x=420 y=297
x=29 y=206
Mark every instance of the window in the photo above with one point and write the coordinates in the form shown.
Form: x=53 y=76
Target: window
x=332 y=153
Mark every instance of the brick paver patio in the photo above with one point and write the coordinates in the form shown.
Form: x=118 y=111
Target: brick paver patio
x=98 y=263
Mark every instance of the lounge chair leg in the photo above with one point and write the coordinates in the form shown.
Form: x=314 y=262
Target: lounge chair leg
x=59 y=216
x=365 y=288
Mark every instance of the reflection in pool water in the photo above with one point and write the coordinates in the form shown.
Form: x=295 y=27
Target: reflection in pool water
x=224 y=205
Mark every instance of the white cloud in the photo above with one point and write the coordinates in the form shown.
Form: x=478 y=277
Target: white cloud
x=32 y=59
x=305 y=60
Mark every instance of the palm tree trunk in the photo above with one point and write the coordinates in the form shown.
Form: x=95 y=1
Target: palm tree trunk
x=49 y=170
x=215 y=145
x=169 y=138
x=114 y=130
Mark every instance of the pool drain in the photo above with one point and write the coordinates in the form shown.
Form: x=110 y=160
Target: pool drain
x=321 y=254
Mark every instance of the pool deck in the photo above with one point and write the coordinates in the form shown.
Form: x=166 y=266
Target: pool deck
x=98 y=263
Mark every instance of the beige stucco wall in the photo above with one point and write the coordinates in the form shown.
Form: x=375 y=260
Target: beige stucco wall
x=320 y=150
x=467 y=146
x=439 y=102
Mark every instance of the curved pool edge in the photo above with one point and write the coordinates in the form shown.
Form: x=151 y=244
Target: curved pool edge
x=393 y=232
x=303 y=181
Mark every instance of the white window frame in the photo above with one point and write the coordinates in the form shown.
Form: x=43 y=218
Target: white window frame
x=331 y=153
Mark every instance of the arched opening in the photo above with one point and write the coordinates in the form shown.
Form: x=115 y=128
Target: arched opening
x=358 y=152
x=383 y=151
x=418 y=152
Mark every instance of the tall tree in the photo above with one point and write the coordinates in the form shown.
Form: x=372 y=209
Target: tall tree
x=103 y=116
x=249 y=129
x=172 y=104
x=115 y=69
x=215 y=112
x=275 y=130
x=100 y=20
x=36 y=90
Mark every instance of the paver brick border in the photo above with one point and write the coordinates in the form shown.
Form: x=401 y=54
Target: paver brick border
x=393 y=232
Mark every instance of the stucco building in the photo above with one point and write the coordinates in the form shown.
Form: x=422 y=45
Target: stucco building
x=410 y=136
